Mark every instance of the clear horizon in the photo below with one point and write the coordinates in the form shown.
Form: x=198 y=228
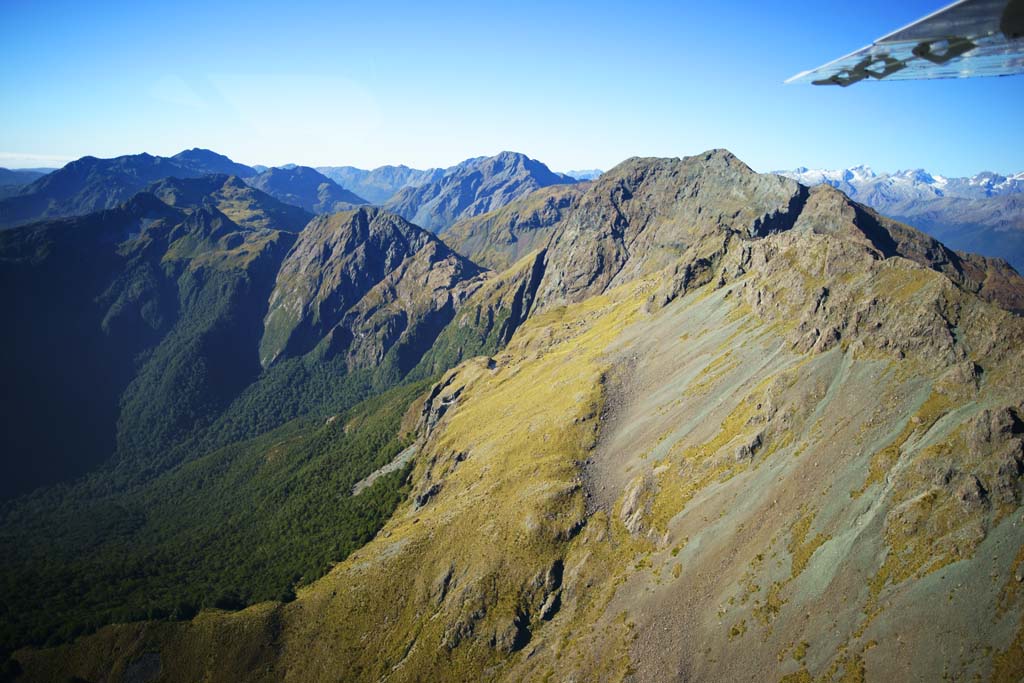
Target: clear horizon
x=28 y=165
x=575 y=86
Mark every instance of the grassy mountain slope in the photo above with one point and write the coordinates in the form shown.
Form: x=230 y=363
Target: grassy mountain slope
x=791 y=451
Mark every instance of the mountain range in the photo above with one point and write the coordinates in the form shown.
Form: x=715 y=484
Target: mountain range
x=983 y=214
x=434 y=198
x=90 y=184
x=12 y=180
x=680 y=422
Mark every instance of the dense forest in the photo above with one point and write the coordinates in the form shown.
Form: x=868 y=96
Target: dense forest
x=245 y=523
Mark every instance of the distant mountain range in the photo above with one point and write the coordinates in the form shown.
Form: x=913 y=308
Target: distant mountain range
x=471 y=188
x=433 y=199
x=588 y=174
x=11 y=180
x=983 y=214
x=91 y=184
x=380 y=184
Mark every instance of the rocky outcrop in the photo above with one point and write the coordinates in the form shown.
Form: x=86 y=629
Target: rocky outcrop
x=360 y=282
x=828 y=211
x=487 y=320
x=645 y=213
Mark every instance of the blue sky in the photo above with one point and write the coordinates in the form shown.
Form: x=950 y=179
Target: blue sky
x=575 y=84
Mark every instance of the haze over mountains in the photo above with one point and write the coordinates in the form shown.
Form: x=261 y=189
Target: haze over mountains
x=983 y=214
x=380 y=184
x=684 y=421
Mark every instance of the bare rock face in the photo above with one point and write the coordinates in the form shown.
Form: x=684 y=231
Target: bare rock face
x=829 y=211
x=358 y=282
x=648 y=214
x=645 y=213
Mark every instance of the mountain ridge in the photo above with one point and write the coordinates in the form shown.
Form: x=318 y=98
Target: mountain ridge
x=738 y=428
x=89 y=184
x=983 y=214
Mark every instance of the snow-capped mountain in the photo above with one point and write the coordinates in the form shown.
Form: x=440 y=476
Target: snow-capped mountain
x=983 y=213
x=864 y=184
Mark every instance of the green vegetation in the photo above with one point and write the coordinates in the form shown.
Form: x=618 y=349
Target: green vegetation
x=241 y=525
x=204 y=479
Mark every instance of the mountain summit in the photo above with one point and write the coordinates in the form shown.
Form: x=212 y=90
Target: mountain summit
x=307 y=188
x=473 y=187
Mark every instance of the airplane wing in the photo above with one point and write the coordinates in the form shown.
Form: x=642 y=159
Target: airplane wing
x=966 y=39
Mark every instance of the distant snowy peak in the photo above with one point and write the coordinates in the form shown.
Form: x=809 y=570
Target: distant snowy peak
x=914 y=184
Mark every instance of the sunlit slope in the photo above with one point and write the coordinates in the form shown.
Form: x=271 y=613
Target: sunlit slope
x=777 y=457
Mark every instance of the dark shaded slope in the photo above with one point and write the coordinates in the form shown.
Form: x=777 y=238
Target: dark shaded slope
x=90 y=184
x=243 y=204
x=145 y=299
